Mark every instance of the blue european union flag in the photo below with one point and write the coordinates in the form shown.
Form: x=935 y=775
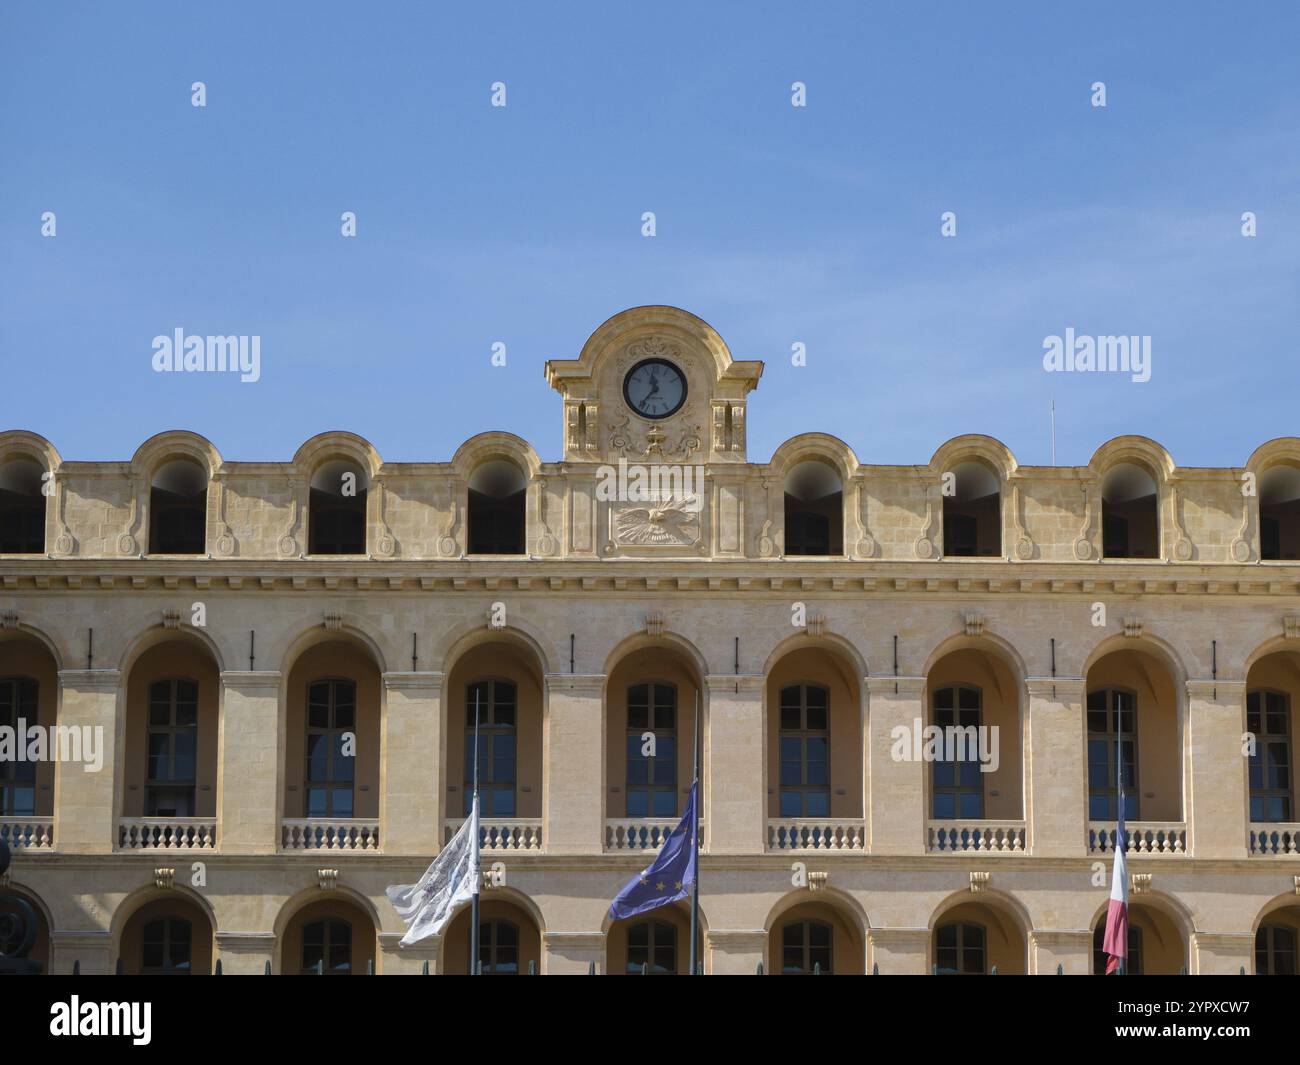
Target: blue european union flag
x=671 y=875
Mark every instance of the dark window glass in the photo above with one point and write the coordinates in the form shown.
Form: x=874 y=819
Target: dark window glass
x=651 y=789
x=1111 y=712
x=171 y=748
x=806 y=948
x=957 y=784
x=1268 y=718
x=496 y=524
x=1132 y=965
x=652 y=948
x=497 y=747
x=959 y=949
x=165 y=946
x=327 y=948
x=498 y=948
x=22 y=508
x=18 y=701
x=1275 y=950
x=336 y=523
x=329 y=771
x=803 y=746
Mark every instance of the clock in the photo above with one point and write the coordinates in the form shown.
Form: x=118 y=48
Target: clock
x=655 y=388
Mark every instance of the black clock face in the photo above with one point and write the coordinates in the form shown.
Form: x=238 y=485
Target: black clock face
x=655 y=388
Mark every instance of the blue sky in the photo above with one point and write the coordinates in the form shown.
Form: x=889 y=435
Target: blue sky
x=775 y=224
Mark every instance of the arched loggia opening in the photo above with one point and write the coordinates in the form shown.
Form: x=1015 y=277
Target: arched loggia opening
x=170 y=773
x=814 y=749
x=650 y=701
x=329 y=936
x=500 y=679
x=655 y=943
x=509 y=941
x=1156 y=946
x=814 y=509
x=1277 y=942
x=336 y=521
x=29 y=692
x=332 y=766
x=178 y=509
x=167 y=936
x=1272 y=722
x=972 y=512
x=22 y=507
x=1130 y=524
x=1134 y=725
x=976 y=766
x=498 y=492
x=974 y=938
x=811 y=936
x=1279 y=514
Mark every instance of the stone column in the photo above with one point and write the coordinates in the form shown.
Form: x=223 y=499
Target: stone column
x=92 y=949
x=733 y=952
x=1071 y=949
x=245 y=953
x=1056 y=781
x=396 y=960
x=1222 y=953
x=572 y=953
x=574 y=758
x=1216 y=809
x=250 y=778
x=411 y=786
x=735 y=798
x=87 y=801
x=896 y=804
x=899 y=951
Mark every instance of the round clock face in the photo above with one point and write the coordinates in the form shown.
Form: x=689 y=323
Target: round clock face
x=655 y=388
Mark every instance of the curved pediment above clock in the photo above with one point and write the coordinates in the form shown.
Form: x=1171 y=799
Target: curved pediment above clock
x=654 y=383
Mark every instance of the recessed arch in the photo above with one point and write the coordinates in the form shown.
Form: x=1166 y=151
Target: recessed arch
x=794 y=943
x=311 y=906
x=150 y=902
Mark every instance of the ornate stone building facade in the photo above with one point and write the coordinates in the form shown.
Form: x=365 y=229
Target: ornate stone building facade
x=281 y=660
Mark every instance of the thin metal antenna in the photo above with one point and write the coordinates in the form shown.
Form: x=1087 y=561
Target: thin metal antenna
x=1053 y=430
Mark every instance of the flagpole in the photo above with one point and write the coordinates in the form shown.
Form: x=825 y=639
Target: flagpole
x=1120 y=843
x=475 y=967
x=695 y=843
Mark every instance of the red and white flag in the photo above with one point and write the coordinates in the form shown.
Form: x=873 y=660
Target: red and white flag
x=1115 y=944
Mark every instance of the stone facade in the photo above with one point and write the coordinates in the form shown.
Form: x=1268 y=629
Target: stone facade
x=694 y=590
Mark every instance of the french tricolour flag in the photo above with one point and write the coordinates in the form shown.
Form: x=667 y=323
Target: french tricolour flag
x=1115 y=944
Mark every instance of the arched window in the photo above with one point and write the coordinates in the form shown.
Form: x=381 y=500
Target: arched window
x=1268 y=718
x=336 y=524
x=804 y=747
x=1100 y=959
x=1279 y=514
x=165 y=947
x=327 y=948
x=498 y=948
x=18 y=701
x=1275 y=951
x=497 y=747
x=958 y=784
x=172 y=748
x=331 y=715
x=1130 y=527
x=814 y=510
x=959 y=949
x=652 y=781
x=972 y=512
x=652 y=948
x=1111 y=712
x=498 y=492
x=22 y=507
x=178 y=509
x=806 y=948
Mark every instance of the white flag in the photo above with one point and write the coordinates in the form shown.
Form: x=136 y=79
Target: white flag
x=453 y=878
